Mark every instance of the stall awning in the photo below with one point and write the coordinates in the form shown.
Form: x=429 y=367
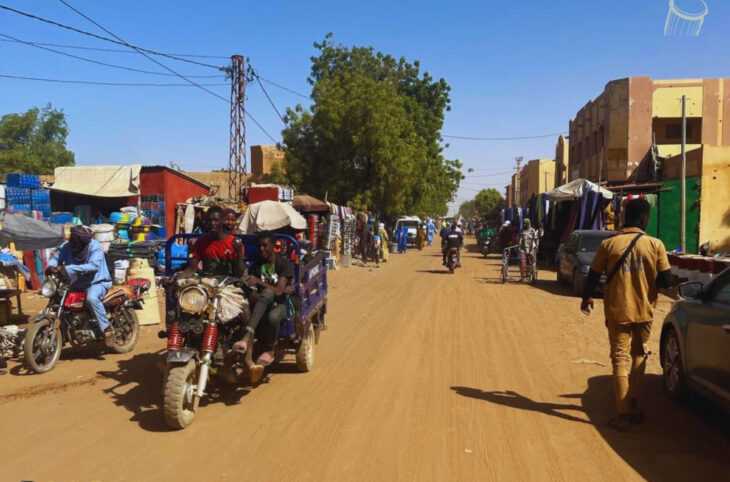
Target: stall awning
x=28 y=233
x=575 y=189
x=309 y=204
x=102 y=181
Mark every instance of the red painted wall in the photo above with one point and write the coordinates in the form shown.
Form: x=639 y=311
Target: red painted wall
x=175 y=188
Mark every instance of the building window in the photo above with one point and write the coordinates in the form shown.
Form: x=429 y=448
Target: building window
x=674 y=131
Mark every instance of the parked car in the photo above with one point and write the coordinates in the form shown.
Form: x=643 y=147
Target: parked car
x=575 y=256
x=695 y=341
x=412 y=223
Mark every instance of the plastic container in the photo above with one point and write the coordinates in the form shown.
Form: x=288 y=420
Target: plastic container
x=62 y=218
x=30 y=181
x=120 y=271
x=150 y=314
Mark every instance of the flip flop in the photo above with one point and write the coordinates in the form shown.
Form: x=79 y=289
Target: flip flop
x=240 y=347
x=265 y=359
x=256 y=373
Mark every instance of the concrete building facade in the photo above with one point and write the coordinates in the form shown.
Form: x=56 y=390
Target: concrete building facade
x=264 y=157
x=611 y=137
x=561 y=161
x=537 y=176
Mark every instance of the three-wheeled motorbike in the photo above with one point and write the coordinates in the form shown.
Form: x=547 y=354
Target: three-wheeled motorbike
x=203 y=324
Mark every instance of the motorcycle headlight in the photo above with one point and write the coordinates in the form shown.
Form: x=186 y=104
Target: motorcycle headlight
x=193 y=299
x=49 y=288
x=585 y=269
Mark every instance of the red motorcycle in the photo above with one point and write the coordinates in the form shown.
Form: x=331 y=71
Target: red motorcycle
x=67 y=318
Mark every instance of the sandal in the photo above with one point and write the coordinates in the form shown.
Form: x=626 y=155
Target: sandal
x=241 y=346
x=256 y=373
x=266 y=358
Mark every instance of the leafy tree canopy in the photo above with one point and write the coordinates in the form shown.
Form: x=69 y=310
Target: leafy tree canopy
x=34 y=142
x=372 y=135
x=487 y=201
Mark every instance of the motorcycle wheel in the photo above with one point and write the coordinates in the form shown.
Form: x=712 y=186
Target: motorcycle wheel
x=126 y=331
x=39 y=352
x=502 y=275
x=305 y=353
x=181 y=402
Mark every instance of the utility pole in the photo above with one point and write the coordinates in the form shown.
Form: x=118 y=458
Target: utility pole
x=237 y=155
x=518 y=201
x=683 y=213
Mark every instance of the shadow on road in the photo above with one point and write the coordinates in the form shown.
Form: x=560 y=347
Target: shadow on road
x=434 y=271
x=678 y=441
x=139 y=389
x=140 y=384
x=513 y=399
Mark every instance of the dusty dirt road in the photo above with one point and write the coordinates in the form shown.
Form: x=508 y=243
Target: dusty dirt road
x=421 y=376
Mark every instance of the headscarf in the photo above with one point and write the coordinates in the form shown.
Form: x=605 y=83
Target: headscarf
x=79 y=241
x=526 y=223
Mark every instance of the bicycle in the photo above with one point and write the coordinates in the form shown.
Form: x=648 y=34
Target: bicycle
x=530 y=275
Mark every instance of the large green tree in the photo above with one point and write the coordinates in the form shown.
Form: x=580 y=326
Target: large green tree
x=486 y=202
x=372 y=135
x=34 y=142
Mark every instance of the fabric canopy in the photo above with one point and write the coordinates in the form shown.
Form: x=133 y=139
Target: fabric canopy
x=575 y=189
x=309 y=204
x=27 y=233
x=102 y=181
x=271 y=216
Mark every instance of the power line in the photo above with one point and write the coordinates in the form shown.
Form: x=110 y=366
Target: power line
x=285 y=88
x=91 y=82
x=143 y=52
x=121 y=51
x=98 y=62
x=490 y=175
x=504 y=138
x=106 y=39
x=269 y=98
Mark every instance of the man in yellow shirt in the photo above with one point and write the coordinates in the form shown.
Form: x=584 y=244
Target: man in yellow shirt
x=636 y=265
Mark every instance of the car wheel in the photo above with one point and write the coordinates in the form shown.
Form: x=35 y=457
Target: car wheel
x=674 y=382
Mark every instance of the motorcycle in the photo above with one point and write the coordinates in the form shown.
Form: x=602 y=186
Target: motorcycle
x=485 y=247
x=67 y=318
x=199 y=342
x=452 y=259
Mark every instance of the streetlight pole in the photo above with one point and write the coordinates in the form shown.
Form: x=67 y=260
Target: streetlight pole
x=683 y=212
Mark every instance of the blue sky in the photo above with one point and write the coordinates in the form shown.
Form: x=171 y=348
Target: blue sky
x=516 y=68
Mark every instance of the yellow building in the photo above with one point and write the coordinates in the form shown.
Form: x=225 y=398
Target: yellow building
x=611 y=136
x=711 y=166
x=537 y=176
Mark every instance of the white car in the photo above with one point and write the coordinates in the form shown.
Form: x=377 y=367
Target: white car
x=412 y=223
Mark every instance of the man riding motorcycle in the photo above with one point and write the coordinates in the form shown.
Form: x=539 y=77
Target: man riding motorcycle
x=81 y=259
x=454 y=239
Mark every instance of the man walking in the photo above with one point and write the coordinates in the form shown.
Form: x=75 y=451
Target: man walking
x=528 y=242
x=635 y=265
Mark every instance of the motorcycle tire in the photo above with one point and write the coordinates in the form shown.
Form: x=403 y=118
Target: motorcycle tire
x=31 y=346
x=131 y=324
x=305 y=353
x=180 y=381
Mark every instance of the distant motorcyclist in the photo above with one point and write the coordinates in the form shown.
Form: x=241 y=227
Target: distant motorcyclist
x=454 y=239
x=82 y=261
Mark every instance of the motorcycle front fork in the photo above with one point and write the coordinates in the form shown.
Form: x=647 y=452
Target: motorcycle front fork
x=203 y=375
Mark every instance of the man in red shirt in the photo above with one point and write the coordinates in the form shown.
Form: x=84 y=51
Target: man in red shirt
x=220 y=253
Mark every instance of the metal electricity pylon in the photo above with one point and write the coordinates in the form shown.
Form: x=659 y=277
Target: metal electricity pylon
x=237 y=156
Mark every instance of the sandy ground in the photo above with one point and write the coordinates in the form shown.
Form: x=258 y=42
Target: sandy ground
x=421 y=376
